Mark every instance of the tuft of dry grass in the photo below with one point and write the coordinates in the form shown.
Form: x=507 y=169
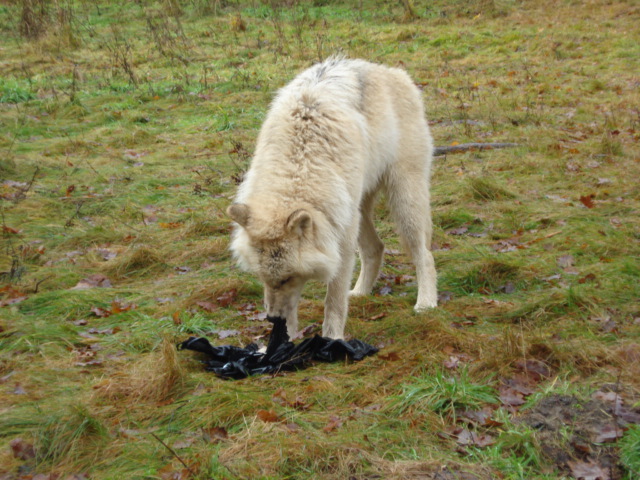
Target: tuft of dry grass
x=156 y=377
x=138 y=260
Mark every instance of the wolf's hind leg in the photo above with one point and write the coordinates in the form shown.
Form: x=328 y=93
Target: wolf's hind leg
x=371 y=249
x=408 y=197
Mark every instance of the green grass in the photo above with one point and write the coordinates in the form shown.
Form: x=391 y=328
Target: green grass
x=124 y=129
x=445 y=394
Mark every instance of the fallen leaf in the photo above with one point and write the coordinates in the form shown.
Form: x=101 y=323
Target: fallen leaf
x=386 y=290
x=587 y=200
x=458 y=231
x=444 y=297
x=12 y=301
x=481 y=417
x=533 y=368
x=70 y=190
x=607 y=433
x=19 y=390
x=292 y=427
x=511 y=397
x=377 y=317
x=504 y=246
x=334 y=422
x=222 y=334
x=106 y=254
x=10 y=230
x=118 y=306
x=214 y=434
x=184 y=443
x=208 y=306
x=587 y=278
x=93 y=281
x=169 y=472
x=182 y=270
x=306 y=331
x=481 y=440
x=257 y=316
x=390 y=357
x=105 y=331
x=452 y=362
x=227 y=298
x=267 y=415
x=588 y=470
x=565 y=261
x=21 y=449
x=169 y=225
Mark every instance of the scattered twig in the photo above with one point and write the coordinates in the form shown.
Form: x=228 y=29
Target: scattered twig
x=69 y=222
x=173 y=453
x=35 y=289
x=33 y=178
x=119 y=220
x=467 y=147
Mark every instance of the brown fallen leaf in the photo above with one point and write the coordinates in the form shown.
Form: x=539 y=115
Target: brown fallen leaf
x=390 y=357
x=452 y=363
x=169 y=472
x=607 y=433
x=100 y=312
x=588 y=470
x=533 y=368
x=214 y=434
x=12 y=231
x=587 y=200
x=227 y=298
x=118 y=306
x=467 y=437
x=184 y=443
x=334 y=422
x=267 y=415
x=511 y=397
x=222 y=334
x=12 y=301
x=306 y=331
x=21 y=449
x=565 y=261
x=19 y=390
x=93 y=281
x=207 y=306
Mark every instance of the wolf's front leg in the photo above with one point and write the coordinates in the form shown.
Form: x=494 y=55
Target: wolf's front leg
x=336 y=304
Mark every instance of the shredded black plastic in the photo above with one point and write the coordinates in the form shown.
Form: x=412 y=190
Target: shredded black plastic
x=234 y=362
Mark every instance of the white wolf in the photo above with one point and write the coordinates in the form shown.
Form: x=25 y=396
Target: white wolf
x=336 y=135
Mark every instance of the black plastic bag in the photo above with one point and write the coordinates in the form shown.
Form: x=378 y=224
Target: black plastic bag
x=234 y=362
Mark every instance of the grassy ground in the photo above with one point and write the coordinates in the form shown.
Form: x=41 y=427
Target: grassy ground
x=124 y=128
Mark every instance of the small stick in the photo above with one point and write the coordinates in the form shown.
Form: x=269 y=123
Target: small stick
x=35 y=290
x=32 y=180
x=173 y=453
x=467 y=147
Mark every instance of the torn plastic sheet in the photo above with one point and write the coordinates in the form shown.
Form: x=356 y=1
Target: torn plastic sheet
x=234 y=362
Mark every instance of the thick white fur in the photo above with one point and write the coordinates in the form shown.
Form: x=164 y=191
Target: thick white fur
x=336 y=135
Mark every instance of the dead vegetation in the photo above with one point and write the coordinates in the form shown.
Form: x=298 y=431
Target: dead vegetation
x=125 y=130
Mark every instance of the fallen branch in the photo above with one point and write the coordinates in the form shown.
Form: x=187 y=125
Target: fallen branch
x=173 y=453
x=468 y=147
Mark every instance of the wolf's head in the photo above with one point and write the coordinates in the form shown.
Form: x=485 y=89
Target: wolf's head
x=284 y=249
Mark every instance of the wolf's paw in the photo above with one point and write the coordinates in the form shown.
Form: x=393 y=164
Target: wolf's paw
x=357 y=293
x=423 y=307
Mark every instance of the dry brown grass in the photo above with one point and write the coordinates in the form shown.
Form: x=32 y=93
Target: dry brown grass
x=156 y=377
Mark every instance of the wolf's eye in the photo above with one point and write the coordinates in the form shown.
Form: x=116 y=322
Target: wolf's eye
x=283 y=282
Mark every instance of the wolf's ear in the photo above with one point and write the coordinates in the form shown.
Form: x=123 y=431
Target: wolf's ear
x=299 y=222
x=239 y=213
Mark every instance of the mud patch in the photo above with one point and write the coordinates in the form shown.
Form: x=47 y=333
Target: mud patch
x=573 y=432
